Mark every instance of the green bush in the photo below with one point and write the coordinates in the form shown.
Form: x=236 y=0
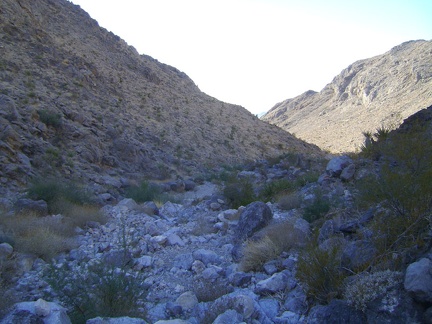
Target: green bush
x=239 y=192
x=404 y=189
x=57 y=189
x=273 y=189
x=320 y=272
x=97 y=290
x=144 y=192
x=317 y=209
x=50 y=118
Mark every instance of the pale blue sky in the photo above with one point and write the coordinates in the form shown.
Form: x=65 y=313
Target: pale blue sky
x=256 y=53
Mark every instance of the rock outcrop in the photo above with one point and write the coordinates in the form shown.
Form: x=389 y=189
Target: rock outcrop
x=377 y=92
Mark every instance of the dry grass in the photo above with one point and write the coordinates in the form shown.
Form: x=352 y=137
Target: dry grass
x=275 y=239
x=257 y=253
x=290 y=201
x=47 y=236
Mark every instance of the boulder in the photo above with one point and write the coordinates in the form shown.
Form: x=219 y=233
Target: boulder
x=337 y=311
x=254 y=217
x=357 y=253
x=206 y=256
x=229 y=317
x=336 y=165
x=418 y=280
x=187 y=300
x=39 y=311
x=275 y=283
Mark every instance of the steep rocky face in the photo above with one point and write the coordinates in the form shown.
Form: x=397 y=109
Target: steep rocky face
x=371 y=93
x=77 y=99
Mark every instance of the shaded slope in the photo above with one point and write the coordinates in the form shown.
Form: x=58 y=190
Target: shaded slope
x=77 y=99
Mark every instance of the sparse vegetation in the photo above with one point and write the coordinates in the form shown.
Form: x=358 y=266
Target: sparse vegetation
x=369 y=286
x=50 y=118
x=144 y=192
x=320 y=272
x=275 y=239
x=98 y=290
x=239 y=192
x=317 y=208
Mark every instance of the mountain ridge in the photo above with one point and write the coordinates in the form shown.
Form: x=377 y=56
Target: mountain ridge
x=371 y=93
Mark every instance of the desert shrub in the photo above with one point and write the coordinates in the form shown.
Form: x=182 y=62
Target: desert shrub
x=320 y=272
x=43 y=242
x=239 y=192
x=317 y=209
x=403 y=189
x=275 y=239
x=42 y=236
x=257 y=253
x=289 y=201
x=97 y=290
x=273 y=189
x=373 y=142
x=368 y=286
x=309 y=177
x=144 y=192
x=50 y=118
x=79 y=215
x=56 y=189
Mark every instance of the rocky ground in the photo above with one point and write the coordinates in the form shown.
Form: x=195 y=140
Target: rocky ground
x=185 y=257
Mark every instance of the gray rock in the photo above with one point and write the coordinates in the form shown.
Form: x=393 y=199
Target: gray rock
x=418 y=280
x=128 y=204
x=357 y=253
x=206 y=256
x=253 y=218
x=174 y=239
x=187 y=300
x=348 y=173
x=143 y=262
x=229 y=317
x=184 y=261
x=240 y=279
x=337 y=311
x=117 y=258
x=337 y=165
x=288 y=317
x=8 y=108
x=39 y=311
x=270 y=307
x=275 y=283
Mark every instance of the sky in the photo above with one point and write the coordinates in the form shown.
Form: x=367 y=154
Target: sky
x=256 y=53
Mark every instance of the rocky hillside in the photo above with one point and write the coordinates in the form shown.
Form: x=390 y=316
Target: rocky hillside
x=369 y=94
x=77 y=100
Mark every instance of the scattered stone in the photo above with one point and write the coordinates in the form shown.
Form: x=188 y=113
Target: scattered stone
x=187 y=300
x=275 y=283
x=418 y=280
x=117 y=320
x=337 y=165
x=229 y=317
